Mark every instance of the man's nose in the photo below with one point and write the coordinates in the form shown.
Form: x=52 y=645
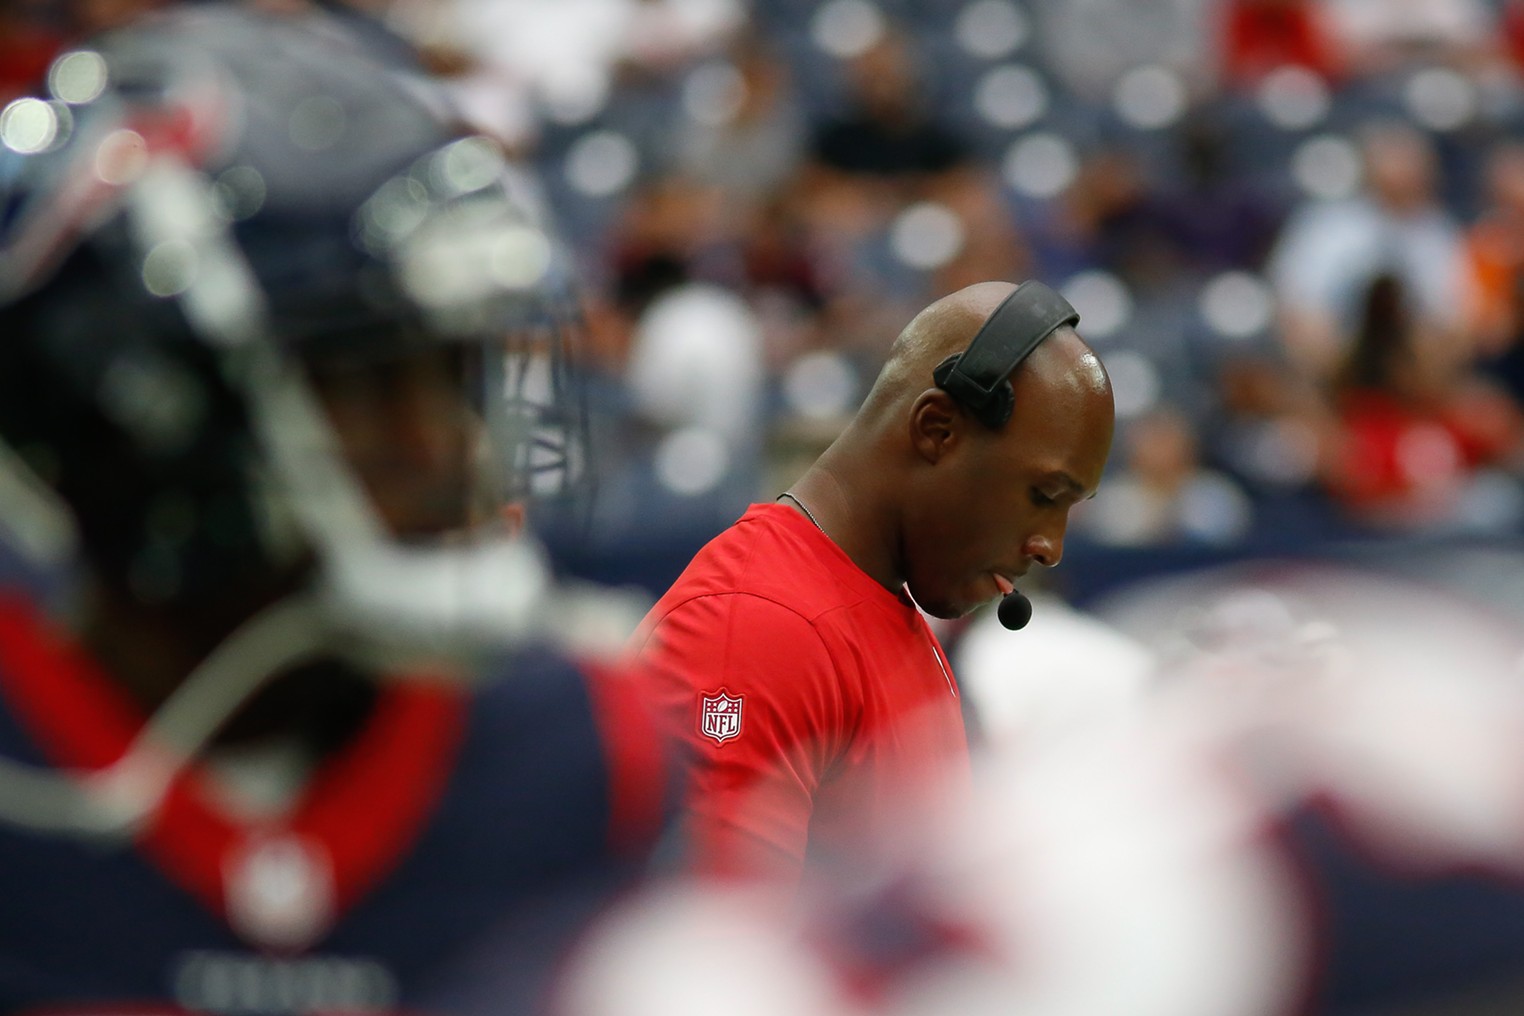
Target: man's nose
x=1046 y=546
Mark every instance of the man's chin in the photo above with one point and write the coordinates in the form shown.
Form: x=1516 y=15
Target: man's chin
x=943 y=610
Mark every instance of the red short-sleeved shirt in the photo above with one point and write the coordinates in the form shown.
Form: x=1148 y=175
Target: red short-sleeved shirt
x=818 y=704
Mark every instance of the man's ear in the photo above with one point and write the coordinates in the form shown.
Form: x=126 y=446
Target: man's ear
x=936 y=424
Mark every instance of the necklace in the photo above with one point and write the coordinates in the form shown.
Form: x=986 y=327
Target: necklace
x=931 y=642
x=804 y=508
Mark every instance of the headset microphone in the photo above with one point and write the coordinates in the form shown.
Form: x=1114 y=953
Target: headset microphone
x=1014 y=611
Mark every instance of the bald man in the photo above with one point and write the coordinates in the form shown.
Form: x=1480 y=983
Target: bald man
x=790 y=655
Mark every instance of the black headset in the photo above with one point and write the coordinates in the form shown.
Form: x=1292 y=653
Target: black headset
x=978 y=378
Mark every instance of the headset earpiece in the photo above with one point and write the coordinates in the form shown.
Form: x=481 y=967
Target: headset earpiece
x=978 y=378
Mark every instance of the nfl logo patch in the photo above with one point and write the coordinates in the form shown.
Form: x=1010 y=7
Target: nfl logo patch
x=720 y=716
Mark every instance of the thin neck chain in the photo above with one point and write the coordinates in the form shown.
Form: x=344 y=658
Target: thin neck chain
x=804 y=508
x=931 y=642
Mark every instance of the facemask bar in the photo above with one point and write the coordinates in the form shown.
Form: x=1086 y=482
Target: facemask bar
x=471 y=242
x=446 y=598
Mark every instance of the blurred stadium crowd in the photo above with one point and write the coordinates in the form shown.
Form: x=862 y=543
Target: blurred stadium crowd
x=1294 y=230
x=1291 y=228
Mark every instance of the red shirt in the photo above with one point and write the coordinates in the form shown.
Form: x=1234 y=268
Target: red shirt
x=817 y=703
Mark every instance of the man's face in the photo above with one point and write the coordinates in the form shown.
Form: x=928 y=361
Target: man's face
x=999 y=502
x=410 y=430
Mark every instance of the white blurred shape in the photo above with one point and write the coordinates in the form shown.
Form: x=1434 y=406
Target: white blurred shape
x=821 y=386
x=121 y=157
x=575 y=95
x=1293 y=98
x=1150 y=97
x=1440 y=98
x=1103 y=302
x=1135 y=382
x=466 y=166
x=991 y=29
x=1011 y=96
x=77 y=77
x=169 y=269
x=713 y=93
x=926 y=235
x=694 y=951
x=696 y=361
x=602 y=164
x=1110 y=849
x=1408 y=729
x=1285 y=452
x=28 y=126
x=519 y=257
x=1040 y=165
x=1327 y=167
x=1066 y=668
x=692 y=461
x=847 y=28
x=239 y=192
x=1237 y=305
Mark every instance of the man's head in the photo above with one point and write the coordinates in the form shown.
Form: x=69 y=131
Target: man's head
x=271 y=316
x=978 y=506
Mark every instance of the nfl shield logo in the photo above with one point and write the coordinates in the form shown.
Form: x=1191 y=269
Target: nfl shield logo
x=720 y=716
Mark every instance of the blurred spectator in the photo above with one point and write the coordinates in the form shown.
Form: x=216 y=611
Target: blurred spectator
x=660 y=239
x=1091 y=44
x=1163 y=493
x=784 y=278
x=520 y=61
x=1331 y=250
x=888 y=131
x=743 y=132
x=1211 y=218
x=1266 y=426
x=1100 y=220
x=1415 y=425
x=1495 y=244
x=1383 y=35
x=1261 y=36
x=892 y=195
x=885 y=149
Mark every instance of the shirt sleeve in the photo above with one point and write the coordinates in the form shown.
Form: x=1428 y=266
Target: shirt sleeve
x=752 y=693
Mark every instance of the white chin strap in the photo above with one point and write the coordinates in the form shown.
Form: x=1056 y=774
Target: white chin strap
x=483 y=593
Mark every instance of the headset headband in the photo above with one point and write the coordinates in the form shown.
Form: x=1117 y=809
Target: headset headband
x=979 y=377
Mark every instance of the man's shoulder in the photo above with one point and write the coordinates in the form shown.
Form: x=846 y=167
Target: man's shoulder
x=760 y=563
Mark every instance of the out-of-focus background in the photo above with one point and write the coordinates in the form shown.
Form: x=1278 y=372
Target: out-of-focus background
x=1292 y=228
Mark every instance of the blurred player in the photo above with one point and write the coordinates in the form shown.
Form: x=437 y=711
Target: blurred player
x=1317 y=811
x=282 y=724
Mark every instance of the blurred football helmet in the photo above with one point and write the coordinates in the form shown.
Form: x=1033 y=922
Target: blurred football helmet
x=207 y=211
x=227 y=241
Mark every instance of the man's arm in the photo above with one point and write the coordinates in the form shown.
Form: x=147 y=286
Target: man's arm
x=749 y=689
